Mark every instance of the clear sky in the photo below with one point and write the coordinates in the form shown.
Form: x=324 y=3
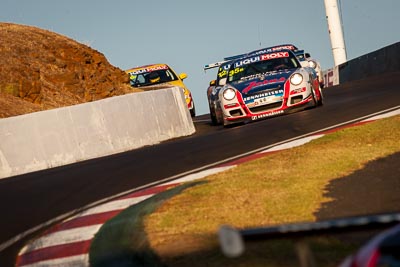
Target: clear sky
x=189 y=34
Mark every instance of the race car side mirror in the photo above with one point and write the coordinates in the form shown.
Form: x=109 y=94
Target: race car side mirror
x=183 y=76
x=308 y=55
x=213 y=82
x=222 y=82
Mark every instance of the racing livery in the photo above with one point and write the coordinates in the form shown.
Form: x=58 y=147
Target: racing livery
x=265 y=85
x=223 y=68
x=157 y=76
x=304 y=58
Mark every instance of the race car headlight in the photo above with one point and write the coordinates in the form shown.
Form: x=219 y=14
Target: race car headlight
x=312 y=64
x=229 y=94
x=296 y=79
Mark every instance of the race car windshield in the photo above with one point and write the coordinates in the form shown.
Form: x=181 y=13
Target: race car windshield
x=261 y=67
x=152 y=78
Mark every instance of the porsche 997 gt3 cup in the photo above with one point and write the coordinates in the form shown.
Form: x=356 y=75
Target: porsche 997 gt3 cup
x=223 y=68
x=266 y=85
x=304 y=59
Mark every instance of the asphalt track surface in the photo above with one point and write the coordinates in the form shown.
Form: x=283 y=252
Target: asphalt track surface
x=33 y=199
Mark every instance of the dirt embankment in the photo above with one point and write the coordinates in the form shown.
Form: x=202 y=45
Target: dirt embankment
x=41 y=70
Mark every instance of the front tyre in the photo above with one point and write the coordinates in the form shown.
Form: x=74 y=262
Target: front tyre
x=193 y=111
x=214 y=120
x=320 y=101
x=314 y=99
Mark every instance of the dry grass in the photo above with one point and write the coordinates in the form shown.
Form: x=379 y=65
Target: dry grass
x=41 y=70
x=280 y=188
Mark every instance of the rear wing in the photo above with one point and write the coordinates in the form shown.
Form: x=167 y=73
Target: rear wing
x=235 y=57
x=219 y=63
x=255 y=52
x=214 y=65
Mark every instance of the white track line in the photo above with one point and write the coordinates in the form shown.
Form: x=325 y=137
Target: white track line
x=114 y=205
x=73 y=261
x=382 y=116
x=64 y=237
x=199 y=175
x=292 y=144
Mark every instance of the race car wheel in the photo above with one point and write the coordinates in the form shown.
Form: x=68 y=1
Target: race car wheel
x=213 y=117
x=321 y=97
x=193 y=111
x=314 y=99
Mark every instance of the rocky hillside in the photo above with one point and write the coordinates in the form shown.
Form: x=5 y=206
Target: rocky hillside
x=42 y=70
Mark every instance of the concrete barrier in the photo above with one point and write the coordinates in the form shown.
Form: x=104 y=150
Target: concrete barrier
x=67 y=135
x=384 y=60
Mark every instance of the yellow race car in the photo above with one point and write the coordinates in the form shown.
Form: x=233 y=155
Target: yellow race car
x=157 y=76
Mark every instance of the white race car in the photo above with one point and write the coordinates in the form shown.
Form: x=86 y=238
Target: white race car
x=267 y=84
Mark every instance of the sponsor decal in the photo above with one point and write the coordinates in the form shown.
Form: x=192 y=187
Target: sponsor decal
x=266 y=115
x=265 y=94
x=265 y=101
x=265 y=82
x=247 y=61
x=298 y=91
x=273 y=49
x=260 y=58
x=274 y=55
x=288 y=47
x=149 y=69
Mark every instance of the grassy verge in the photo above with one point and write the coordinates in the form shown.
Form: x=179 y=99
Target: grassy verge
x=280 y=188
